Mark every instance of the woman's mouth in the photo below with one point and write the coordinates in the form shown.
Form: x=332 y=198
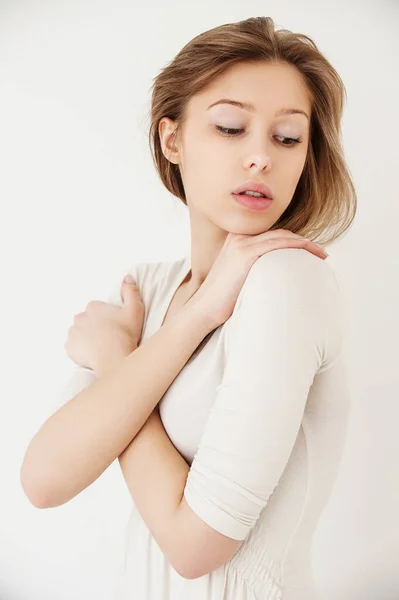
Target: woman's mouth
x=252 y=202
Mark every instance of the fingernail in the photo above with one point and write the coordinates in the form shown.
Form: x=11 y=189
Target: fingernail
x=322 y=249
x=128 y=279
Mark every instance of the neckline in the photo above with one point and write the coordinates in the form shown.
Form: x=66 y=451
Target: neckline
x=180 y=277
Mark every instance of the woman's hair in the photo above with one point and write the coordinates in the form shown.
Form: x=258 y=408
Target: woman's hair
x=324 y=203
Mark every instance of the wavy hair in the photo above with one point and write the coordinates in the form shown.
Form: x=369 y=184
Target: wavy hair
x=324 y=202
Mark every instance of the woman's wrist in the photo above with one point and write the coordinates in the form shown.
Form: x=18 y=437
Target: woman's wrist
x=192 y=313
x=197 y=316
x=111 y=361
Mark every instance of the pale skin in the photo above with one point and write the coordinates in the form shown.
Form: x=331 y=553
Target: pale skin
x=211 y=167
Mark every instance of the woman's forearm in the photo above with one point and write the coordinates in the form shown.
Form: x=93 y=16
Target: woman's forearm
x=156 y=474
x=78 y=442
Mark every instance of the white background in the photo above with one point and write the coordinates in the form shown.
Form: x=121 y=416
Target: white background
x=80 y=202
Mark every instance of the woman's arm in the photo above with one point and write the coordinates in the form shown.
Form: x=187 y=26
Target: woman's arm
x=77 y=443
x=156 y=476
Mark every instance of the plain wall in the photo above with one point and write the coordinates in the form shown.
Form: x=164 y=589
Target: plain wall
x=81 y=201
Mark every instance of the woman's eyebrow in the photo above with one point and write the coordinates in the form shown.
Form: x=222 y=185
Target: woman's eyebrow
x=251 y=107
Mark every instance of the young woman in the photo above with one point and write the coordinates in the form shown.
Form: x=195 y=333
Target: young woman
x=218 y=380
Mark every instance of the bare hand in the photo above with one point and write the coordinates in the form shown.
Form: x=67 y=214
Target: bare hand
x=218 y=294
x=105 y=331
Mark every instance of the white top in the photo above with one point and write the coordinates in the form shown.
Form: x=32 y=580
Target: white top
x=260 y=414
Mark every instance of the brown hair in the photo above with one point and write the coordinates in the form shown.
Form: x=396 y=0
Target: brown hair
x=324 y=203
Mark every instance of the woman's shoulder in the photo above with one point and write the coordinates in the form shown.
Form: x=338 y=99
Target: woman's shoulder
x=293 y=288
x=148 y=276
x=292 y=274
x=154 y=272
x=141 y=271
x=296 y=264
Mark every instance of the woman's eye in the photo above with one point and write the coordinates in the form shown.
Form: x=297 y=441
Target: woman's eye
x=229 y=132
x=294 y=141
x=224 y=130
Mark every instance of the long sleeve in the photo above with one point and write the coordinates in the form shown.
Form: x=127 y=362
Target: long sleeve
x=286 y=325
x=83 y=376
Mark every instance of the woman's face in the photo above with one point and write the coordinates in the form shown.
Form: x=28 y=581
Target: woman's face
x=213 y=164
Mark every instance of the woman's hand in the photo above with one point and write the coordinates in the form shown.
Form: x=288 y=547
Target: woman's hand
x=216 y=297
x=105 y=332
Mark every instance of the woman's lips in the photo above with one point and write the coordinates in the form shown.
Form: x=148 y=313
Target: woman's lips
x=251 y=202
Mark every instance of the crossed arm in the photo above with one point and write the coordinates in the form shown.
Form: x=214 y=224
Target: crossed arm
x=290 y=310
x=156 y=475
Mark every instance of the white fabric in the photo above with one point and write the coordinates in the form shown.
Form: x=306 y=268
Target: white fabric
x=260 y=413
